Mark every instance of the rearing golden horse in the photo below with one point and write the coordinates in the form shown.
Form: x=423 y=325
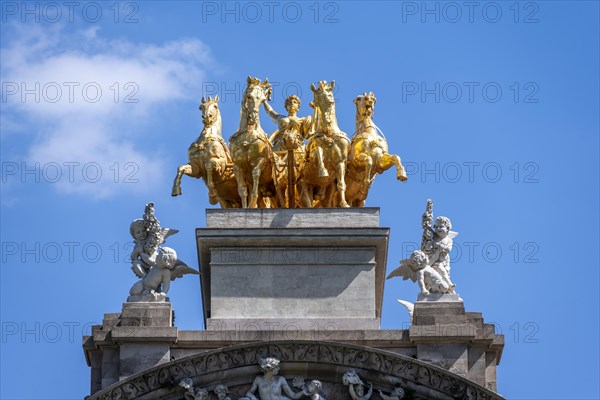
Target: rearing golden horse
x=327 y=154
x=368 y=153
x=209 y=159
x=251 y=150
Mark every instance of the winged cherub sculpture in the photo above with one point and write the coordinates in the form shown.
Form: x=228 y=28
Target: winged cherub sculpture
x=430 y=266
x=148 y=236
x=155 y=285
x=156 y=266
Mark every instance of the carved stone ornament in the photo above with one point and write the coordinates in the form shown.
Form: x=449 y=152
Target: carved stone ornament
x=238 y=368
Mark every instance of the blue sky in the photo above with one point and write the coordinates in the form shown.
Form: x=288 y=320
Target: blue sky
x=493 y=108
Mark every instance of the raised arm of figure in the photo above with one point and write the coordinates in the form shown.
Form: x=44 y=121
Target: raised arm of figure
x=287 y=390
x=272 y=113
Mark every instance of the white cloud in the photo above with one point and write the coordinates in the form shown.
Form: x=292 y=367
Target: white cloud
x=93 y=97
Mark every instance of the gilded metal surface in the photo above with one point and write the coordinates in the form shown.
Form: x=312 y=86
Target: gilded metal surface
x=327 y=154
x=307 y=162
x=210 y=160
x=288 y=145
x=251 y=151
x=368 y=153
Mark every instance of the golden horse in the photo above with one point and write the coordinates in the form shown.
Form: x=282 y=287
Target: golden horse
x=368 y=153
x=209 y=159
x=327 y=154
x=251 y=150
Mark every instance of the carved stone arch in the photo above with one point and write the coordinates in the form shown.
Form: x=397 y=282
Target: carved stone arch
x=237 y=366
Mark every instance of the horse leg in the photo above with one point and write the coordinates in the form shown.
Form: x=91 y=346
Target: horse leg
x=392 y=159
x=256 y=173
x=341 y=183
x=212 y=192
x=182 y=169
x=322 y=170
x=241 y=183
x=280 y=188
x=365 y=161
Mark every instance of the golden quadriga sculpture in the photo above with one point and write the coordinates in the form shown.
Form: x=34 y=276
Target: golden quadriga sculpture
x=307 y=162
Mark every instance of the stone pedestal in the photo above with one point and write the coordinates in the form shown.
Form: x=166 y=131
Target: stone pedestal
x=290 y=269
x=135 y=340
x=447 y=336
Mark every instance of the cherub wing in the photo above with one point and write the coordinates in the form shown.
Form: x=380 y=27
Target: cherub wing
x=180 y=269
x=164 y=233
x=405 y=271
x=452 y=234
x=410 y=307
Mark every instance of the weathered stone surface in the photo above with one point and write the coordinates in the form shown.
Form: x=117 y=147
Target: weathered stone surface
x=323 y=267
x=236 y=367
x=292 y=218
x=137 y=357
x=146 y=314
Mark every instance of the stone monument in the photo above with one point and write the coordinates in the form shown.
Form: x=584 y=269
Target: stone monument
x=292 y=270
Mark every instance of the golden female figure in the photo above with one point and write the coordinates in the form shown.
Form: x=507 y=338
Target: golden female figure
x=288 y=145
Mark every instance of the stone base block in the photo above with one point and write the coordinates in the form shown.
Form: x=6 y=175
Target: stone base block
x=292 y=267
x=147 y=314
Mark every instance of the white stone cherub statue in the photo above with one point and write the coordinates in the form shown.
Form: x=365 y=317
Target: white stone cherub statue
x=397 y=394
x=156 y=283
x=356 y=386
x=270 y=386
x=437 y=243
x=417 y=269
x=148 y=236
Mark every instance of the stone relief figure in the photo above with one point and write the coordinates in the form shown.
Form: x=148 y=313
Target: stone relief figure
x=155 y=285
x=397 y=394
x=368 y=153
x=191 y=392
x=270 y=386
x=221 y=391
x=312 y=390
x=288 y=145
x=356 y=387
x=437 y=243
x=148 y=236
x=209 y=159
x=327 y=154
x=251 y=151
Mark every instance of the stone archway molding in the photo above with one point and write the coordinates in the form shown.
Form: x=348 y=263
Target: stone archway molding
x=327 y=361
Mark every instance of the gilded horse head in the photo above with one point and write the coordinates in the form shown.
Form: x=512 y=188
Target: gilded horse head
x=255 y=94
x=323 y=94
x=365 y=106
x=325 y=103
x=211 y=116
